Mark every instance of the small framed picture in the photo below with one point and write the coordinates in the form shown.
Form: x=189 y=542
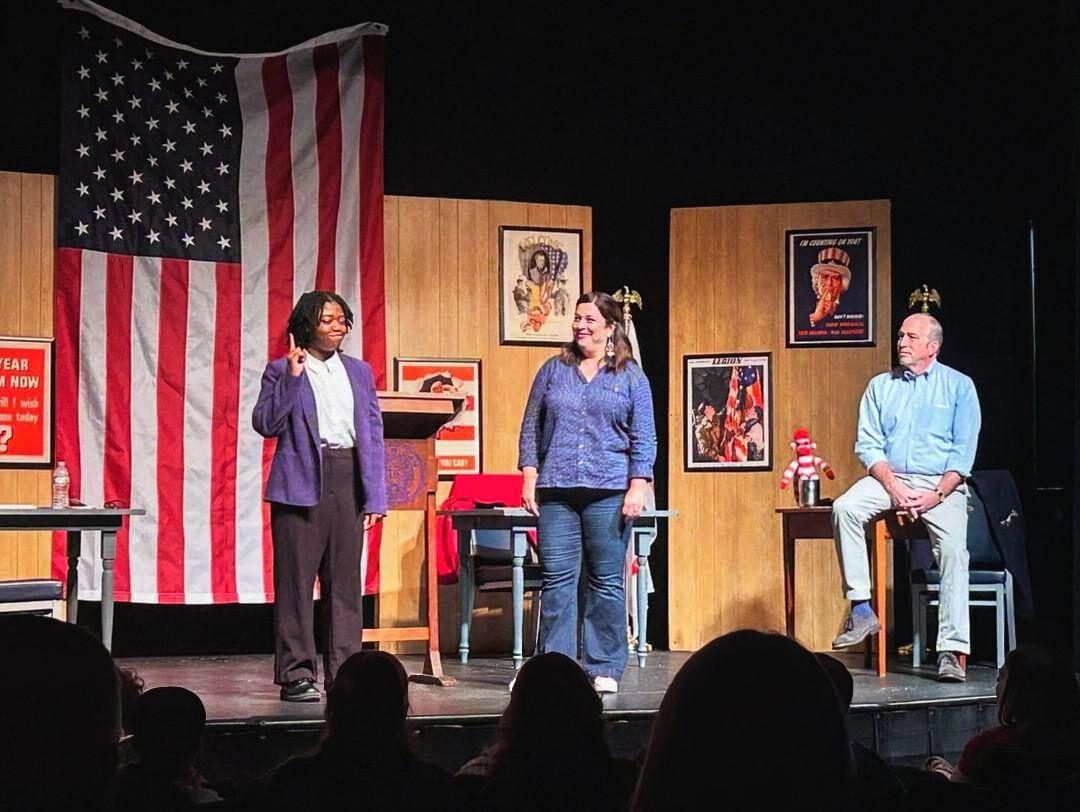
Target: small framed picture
x=727 y=411
x=26 y=402
x=831 y=284
x=458 y=444
x=540 y=280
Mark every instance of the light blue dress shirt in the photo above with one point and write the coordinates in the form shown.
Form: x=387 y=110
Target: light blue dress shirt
x=588 y=434
x=920 y=424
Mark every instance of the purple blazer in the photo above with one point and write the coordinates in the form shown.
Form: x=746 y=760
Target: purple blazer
x=286 y=410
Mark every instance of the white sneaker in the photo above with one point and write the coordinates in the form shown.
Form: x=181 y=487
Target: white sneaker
x=605 y=685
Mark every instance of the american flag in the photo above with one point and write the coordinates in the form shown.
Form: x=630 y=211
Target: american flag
x=738 y=408
x=199 y=195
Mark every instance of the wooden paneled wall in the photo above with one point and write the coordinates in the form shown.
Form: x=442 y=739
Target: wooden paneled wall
x=26 y=288
x=442 y=261
x=442 y=297
x=727 y=288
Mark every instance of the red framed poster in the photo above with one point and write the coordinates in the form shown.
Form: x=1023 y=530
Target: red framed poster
x=26 y=402
x=458 y=444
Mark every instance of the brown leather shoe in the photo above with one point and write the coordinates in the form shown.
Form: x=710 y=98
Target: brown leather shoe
x=950 y=668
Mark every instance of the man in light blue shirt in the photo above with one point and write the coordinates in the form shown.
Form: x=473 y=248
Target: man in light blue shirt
x=918 y=430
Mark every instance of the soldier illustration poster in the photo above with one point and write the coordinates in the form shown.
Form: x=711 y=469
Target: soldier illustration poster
x=831 y=278
x=727 y=411
x=540 y=279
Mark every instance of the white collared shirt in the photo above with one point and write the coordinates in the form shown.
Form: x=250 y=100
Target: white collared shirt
x=333 y=400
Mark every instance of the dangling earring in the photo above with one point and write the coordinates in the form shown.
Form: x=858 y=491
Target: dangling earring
x=609 y=348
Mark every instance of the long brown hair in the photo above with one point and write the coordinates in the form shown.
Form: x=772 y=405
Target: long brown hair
x=774 y=697
x=612 y=313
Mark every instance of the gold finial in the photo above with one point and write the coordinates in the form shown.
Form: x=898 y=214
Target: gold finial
x=924 y=296
x=627 y=297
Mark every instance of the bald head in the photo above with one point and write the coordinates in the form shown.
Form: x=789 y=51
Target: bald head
x=919 y=342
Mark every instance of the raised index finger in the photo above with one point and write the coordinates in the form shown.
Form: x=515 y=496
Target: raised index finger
x=292 y=343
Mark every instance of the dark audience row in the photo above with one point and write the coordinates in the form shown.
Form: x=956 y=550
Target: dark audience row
x=751 y=720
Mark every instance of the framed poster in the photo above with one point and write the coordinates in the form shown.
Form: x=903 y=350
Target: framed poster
x=727 y=411
x=540 y=280
x=26 y=402
x=831 y=284
x=458 y=445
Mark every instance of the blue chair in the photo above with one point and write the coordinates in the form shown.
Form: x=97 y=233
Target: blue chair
x=492 y=571
x=32 y=596
x=990 y=584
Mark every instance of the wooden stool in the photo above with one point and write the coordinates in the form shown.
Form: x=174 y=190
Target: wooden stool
x=887 y=526
x=816 y=523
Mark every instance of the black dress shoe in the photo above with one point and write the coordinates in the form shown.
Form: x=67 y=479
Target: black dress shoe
x=300 y=690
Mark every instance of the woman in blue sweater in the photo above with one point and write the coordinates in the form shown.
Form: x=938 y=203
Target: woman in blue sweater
x=586 y=450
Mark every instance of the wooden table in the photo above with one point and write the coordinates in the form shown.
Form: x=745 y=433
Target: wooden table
x=74 y=521
x=519 y=522
x=816 y=523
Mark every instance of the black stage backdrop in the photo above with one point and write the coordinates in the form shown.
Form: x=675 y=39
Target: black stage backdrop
x=962 y=114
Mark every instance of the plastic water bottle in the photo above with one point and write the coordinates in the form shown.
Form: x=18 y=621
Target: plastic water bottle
x=61 y=482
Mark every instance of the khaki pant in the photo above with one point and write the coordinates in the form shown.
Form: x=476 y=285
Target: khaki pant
x=947 y=527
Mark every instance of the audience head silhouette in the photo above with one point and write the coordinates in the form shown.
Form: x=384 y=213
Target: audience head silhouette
x=1038 y=694
x=551 y=752
x=167 y=727
x=59 y=741
x=553 y=710
x=751 y=718
x=367 y=704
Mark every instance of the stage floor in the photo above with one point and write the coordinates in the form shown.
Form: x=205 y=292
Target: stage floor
x=904 y=717
x=238 y=690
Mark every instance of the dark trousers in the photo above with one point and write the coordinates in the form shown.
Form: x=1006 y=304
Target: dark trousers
x=324 y=540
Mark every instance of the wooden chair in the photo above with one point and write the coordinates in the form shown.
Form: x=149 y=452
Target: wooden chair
x=492 y=570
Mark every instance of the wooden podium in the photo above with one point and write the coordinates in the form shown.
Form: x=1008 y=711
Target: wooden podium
x=410 y=422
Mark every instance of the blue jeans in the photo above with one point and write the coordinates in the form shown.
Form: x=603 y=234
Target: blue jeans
x=573 y=520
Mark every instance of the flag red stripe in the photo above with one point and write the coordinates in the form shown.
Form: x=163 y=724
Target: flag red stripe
x=227 y=320
x=117 y=473
x=66 y=315
x=328 y=133
x=372 y=284
x=280 y=208
x=279 y=211
x=171 y=385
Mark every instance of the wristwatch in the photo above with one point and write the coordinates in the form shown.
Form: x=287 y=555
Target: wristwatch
x=940 y=495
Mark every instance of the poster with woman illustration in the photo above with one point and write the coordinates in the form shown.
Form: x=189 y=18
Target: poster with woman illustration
x=727 y=411
x=540 y=279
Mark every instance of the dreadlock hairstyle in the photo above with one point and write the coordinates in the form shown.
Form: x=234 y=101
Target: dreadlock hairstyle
x=304 y=319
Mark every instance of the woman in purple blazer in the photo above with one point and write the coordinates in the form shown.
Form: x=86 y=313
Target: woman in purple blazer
x=327 y=485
